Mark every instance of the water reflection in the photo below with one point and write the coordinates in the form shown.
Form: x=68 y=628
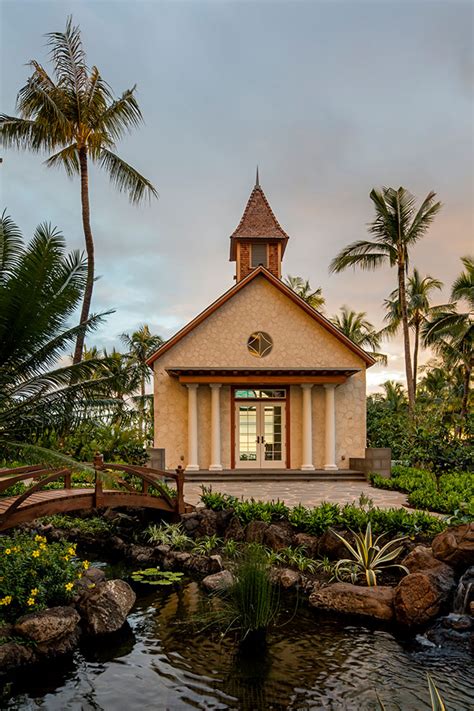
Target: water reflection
x=159 y=662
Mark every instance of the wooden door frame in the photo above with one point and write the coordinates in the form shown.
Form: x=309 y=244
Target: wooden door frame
x=286 y=400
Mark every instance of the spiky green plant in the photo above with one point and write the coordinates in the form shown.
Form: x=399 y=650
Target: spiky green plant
x=368 y=558
x=297 y=558
x=170 y=534
x=206 y=545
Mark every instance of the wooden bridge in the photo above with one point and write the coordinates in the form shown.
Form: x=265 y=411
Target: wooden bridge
x=37 y=501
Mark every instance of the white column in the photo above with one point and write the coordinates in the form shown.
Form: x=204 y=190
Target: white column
x=216 y=465
x=307 y=429
x=330 y=437
x=193 y=464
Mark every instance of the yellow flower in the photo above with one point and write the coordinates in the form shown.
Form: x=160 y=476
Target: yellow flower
x=69 y=586
x=40 y=539
x=85 y=564
x=66 y=558
x=8 y=551
x=36 y=554
x=34 y=592
x=6 y=600
x=30 y=601
x=42 y=546
x=71 y=551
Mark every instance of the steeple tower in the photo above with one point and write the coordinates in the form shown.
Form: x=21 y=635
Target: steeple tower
x=259 y=238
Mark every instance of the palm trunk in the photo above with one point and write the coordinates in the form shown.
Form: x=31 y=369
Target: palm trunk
x=415 y=355
x=86 y=304
x=406 y=336
x=465 y=392
x=142 y=407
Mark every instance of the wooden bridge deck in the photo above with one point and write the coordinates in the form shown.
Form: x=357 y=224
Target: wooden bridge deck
x=37 y=501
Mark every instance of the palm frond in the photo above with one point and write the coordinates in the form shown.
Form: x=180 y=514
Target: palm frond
x=68 y=158
x=11 y=245
x=125 y=178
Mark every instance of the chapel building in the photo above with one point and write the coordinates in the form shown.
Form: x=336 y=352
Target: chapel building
x=259 y=380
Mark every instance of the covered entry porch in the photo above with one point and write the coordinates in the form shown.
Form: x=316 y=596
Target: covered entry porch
x=265 y=417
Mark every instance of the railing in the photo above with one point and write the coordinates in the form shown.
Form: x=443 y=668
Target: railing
x=149 y=477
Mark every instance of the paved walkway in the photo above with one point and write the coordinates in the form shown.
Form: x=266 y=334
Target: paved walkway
x=309 y=493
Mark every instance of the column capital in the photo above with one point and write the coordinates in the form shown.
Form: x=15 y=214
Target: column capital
x=330 y=386
x=306 y=386
x=215 y=386
x=192 y=386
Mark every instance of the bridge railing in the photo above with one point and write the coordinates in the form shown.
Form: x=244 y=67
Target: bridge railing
x=34 y=472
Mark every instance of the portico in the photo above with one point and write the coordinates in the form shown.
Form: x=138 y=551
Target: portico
x=259 y=381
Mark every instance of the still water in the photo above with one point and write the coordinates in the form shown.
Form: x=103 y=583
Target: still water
x=312 y=662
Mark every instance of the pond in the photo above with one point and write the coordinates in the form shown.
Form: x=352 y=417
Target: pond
x=312 y=662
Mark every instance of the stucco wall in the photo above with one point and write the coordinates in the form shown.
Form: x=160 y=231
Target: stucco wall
x=221 y=341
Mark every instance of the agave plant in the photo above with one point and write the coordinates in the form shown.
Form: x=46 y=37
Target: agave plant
x=368 y=557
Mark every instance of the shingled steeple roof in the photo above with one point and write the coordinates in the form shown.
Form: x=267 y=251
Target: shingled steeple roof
x=258 y=221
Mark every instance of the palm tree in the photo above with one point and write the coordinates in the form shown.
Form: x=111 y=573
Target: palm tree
x=355 y=326
x=40 y=288
x=304 y=290
x=451 y=332
x=397 y=226
x=419 y=309
x=395 y=397
x=76 y=116
x=141 y=344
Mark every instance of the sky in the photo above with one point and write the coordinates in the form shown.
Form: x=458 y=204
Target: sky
x=329 y=98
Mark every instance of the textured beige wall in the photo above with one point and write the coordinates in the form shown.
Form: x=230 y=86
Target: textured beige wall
x=221 y=341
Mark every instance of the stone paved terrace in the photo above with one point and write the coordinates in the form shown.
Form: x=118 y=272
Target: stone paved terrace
x=309 y=493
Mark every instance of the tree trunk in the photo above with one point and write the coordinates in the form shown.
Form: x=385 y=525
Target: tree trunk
x=86 y=304
x=406 y=336
x=415 y=355
x=465 y=393
x=142 y=407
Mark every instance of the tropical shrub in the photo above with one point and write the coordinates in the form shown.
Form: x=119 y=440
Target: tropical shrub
x=35 y=574
x=449 y=493
x=327 y=515
x=92 y=525
x=368 y=557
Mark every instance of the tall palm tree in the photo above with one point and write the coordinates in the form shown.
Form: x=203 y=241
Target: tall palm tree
x=75 y=115
x=451 y=332
x=397 y=226
x=303 y=288
x=40 y=288
x=141 y=344
x=419 y=309
x=395 y=397
x=355 y=326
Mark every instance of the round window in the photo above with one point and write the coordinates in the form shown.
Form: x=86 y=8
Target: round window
x=259 y=344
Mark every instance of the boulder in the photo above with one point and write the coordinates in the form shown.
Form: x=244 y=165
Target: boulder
x=375 y=602
x=13 y=655
x=309 y=543
x=223 y=519
x=422 y=558
x=332 y=547
x=218 y=582
x=286 y=577
x=54 y=631
x=235 y=531
x=190 y=521
x=464 y=597
x=145 y=555
x=203 y=564
x=420 y=596
x=278 y=536
x=106 y=608
x=91 y=578
x=455 y=546
x=255 y=531
x=207 y=525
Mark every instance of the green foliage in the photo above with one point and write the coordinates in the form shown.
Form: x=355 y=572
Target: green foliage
x=449 y=493
x=14 y=490
x=155 y=576
x=170 y=534
x=206 y=545
x=296 y=558
x=368 y=557
x=327 y=515
x=92 y=525
x=246 y=511
x=231 y=549
x=35 y=574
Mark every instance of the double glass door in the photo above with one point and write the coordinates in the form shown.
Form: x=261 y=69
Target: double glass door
x=260 y=435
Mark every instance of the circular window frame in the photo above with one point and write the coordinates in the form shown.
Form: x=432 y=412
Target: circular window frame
x=259 y=344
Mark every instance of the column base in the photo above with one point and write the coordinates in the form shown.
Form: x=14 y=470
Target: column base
x=307 y=468
x=215 y=468
x=330 y=467
x=192 y=468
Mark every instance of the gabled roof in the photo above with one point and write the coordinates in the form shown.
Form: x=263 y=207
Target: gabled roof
x=261 y=271
x=257 y=222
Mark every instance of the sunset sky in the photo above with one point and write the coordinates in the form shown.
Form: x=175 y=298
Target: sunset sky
x=329 y=98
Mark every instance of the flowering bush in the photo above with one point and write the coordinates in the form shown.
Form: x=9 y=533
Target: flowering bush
x=35 y=574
